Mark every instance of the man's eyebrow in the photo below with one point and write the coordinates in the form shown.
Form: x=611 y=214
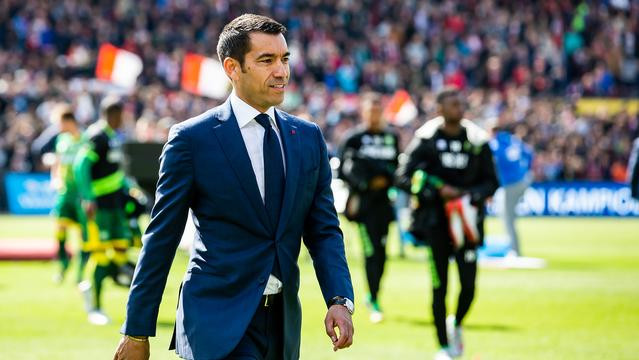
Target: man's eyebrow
x=270 y=55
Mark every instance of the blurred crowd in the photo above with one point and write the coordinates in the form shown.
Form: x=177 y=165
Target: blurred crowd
x=521 y=64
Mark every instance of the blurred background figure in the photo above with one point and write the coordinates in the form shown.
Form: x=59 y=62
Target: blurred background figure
x=513 y=163
x=368 y=163
x=103 y=187
x=449 y=170
x=68 y=209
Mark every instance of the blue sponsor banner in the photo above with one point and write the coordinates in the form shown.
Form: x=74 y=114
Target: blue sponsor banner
x=573 y=199
x=29 y=194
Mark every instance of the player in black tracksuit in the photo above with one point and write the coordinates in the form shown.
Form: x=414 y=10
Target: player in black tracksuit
x=448 y=158
x=369 y=160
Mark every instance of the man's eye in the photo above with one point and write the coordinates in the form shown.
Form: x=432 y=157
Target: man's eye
x=285 y=60
x=266 y=61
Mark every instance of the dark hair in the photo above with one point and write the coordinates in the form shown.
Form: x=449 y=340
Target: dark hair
x=67 y=116
x=234 y=40
x=111 y=104
x=446 y=93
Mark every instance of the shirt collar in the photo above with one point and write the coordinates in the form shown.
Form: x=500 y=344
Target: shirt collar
x=244 y=112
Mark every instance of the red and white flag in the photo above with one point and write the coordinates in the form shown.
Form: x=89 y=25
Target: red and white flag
x=118 y=66
x=204 y=76
x=400 y=109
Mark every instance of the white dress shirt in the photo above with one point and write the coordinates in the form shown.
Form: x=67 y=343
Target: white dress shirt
x=253 y=135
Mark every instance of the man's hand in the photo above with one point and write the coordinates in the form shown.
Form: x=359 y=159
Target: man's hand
x=89 y=209
x=338 y=316
x=448 y=192
x=378 y=182
x=132 y=349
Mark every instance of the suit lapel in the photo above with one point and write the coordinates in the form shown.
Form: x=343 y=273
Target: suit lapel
x=291 y=143
x=230 y=138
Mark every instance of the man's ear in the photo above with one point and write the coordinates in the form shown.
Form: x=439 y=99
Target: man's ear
x=231 y=68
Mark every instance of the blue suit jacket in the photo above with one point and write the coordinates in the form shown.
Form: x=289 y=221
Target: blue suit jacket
x=205 y=167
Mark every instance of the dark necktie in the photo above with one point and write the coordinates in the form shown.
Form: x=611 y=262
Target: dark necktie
x=273 y=170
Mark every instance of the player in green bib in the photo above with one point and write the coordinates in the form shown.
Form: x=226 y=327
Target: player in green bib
x=102 y=186
x=68 y=210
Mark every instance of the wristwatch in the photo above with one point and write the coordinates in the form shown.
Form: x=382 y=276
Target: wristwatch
x=345 y=302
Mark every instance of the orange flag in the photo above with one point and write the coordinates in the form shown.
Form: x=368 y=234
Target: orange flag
x=118 y=66
x=204 y=76
x=400 y=109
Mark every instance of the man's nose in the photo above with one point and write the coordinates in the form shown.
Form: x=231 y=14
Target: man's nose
x=281 y=70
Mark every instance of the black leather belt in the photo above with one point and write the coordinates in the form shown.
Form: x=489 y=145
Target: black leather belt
x=268 y=300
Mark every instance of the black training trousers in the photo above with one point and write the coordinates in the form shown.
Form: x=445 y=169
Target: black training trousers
x=373 y=231
x=441 y=250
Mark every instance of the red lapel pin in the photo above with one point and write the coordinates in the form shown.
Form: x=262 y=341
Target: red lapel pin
x=292 y=132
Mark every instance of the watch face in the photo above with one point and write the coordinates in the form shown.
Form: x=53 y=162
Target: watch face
x=350 y=306
x=347 y=303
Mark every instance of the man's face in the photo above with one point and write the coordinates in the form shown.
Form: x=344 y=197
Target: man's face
x=372 y=115
x=452 y=108
x=114 y=118
x=263 y=78
x=67 y=125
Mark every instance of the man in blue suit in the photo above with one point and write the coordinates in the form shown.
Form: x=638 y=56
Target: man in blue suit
x=257 y=180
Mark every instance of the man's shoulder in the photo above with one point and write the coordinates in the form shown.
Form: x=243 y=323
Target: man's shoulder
x=95 y=131
x=195 y=124
x=430 y=127
x=475 y=134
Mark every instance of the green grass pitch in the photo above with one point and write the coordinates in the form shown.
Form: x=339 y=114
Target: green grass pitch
x=584 y=305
